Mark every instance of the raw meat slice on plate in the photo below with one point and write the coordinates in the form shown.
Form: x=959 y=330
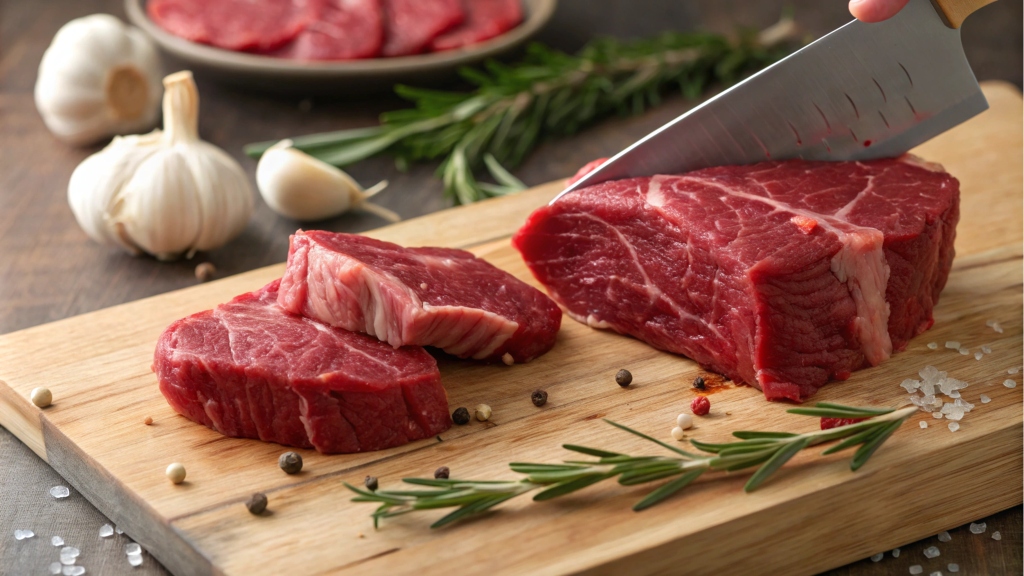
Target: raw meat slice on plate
x=235 y=24
x=782 y=275
x=345 y=30
x=437 y=297
x=484 y=20
x=248 y=369
x=410 y=25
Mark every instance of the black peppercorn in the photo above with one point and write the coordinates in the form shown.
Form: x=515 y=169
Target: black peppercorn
x=460 y=416
x=698 y=383
x=623 y=378
x=539 y=398
x=257 y=503
x=290 y=462
x=371 y=483
x=442 y=472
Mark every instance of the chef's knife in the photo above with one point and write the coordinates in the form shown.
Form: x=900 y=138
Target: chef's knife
x=863 y=91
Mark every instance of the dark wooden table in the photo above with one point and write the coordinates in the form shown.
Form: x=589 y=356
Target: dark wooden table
x=49 y=270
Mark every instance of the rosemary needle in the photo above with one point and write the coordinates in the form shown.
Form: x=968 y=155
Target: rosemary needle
x=550 y=93
x=767 y=450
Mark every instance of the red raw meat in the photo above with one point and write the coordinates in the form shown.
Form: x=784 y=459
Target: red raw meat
x=438 y=297
x=248 y=369
x=780 y=274
x=345 y=30
x=587 y=169
x=485 y=19
x=235 y=24
x=410 y=25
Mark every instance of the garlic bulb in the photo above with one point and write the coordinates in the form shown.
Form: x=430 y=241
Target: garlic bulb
x=164 y=193
x=98 y=78
x=296 y=185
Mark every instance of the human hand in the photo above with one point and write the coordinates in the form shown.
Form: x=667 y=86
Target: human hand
x=875 y=10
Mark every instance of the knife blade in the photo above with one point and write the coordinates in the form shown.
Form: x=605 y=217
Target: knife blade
x=863 y=91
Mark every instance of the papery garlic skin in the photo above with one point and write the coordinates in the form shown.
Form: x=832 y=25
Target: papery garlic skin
x=166 y=193
x=98 y=78
x=296 y=185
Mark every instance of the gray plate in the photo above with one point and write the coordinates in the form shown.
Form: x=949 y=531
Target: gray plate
x=345 y=77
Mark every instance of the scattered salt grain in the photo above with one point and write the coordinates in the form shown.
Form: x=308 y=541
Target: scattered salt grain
x=117 y=530
x=931 y=552
x=944 y=537
x=73 y=571
x=106 y=531
x=978 y=527
x=878 y=557
x=1010 y=383
x=985 y=399
x=916 y=569
x=954 y=426
x=135 y=560
x=57 y=541
x=964 y=351
x=996 y=535
x=910 y=385
x=924 y=424
x=60 y=492
x=986 y=348
x=953 y=345
x=132 y=549
x=937 y=415
x=979 y=355
x=895 y=552
x=932 y=345
x=68 y=553
x=952 y=411
x=953 y=567
x=954 y=394
x=967 y=406
x=936 y=573
x=1013 y=370
x=23 y=534
x=55 y=568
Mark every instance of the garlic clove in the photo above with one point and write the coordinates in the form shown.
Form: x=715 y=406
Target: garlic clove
x=299 y=186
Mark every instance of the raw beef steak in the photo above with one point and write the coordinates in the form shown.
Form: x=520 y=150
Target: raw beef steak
x=248 y=369
x=780 y=274
x=484 y=20
x=235 y=24
x=345 y=30
x=425 y=296
x=410 y=25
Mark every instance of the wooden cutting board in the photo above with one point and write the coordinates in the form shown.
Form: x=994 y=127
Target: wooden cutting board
x=815 y=514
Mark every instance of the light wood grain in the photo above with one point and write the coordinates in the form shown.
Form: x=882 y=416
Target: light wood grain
x=956 y=11
x=97 y=366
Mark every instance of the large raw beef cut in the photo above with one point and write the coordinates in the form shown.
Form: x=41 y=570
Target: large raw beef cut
x=235 y=24
x=438 y=297
x=410 y=25
x=248 y=369
x=782 y=275
x=484 y=20
x=345 y=30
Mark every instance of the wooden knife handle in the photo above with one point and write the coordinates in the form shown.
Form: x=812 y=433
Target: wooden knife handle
x=954 y=12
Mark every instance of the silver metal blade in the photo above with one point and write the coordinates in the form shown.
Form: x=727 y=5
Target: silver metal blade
x=863 y=91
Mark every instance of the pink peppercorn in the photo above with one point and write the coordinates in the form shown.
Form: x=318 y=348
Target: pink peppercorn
x=700 y=406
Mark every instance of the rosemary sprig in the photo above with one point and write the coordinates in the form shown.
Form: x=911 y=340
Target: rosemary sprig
x=768 y=450
x=549 y=93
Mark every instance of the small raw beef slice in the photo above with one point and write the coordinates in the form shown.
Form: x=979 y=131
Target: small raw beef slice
x=346 y=30
x=485 y=19
x=780 y=274
x=248 y=369
x=410 y=25
x=235 y=24
x=438 y=297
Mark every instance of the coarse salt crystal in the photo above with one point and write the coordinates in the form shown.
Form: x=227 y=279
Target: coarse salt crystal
x=916 y=569
x=936 y=573
x=986 y=348
x=878 y=557
x=985 y=399
x=924 y=424
x=933 y=345
x=955 y=394
x=69 y=552
x=953 y=567
x=55 y=568
x=964 y=351
x=954 y=426
x=117 y=530
x=979 y=355
x=106 y=531
x=929 y=373
x=978 y=527
x=910 y=385
x=931 y=552
x=1013 y=370
x=60 y=492
x=895 y=552
x=997 y=328
x=1009 y=383
x=944 y=536
x=996 y=535
x=135 y=560
x=953 y=345
x=23 y=534
x=989 y=323
x=967 y=406
x=132 y=549
x=73 y=571
x=57 y=541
